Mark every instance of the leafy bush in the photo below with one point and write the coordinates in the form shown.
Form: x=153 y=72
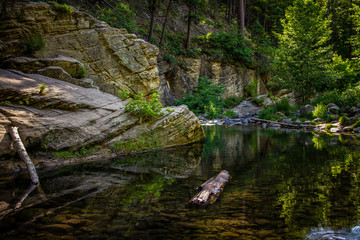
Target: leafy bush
x=62 y=7
x=205 y=93
x=283 y=106
x=269 y=114
x=121 y=17
x=81 y=73
x=124 y=94
x=251 y=90
x=320 y=111
x=277 y=110
x=34 y=43
x=145 y=109
x=344 y=120
x=212 y=111
x=42 y=88
x=233 y=46
x=229 y=113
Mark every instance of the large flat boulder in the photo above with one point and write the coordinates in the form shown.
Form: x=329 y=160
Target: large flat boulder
x=70 y=116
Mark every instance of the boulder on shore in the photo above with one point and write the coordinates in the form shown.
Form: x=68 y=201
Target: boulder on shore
x=69 y=116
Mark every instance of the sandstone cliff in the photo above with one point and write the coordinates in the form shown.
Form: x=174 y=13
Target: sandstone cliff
x=175 y=81
x=113 y=58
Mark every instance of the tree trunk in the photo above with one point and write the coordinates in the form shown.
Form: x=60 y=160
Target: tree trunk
x=211 y=189
x=152 y=18
x=188 y=35
x=165 y=22
x=23 y=155
x=241 y=17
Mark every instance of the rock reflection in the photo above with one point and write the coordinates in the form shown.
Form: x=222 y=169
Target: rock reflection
x=171 y=163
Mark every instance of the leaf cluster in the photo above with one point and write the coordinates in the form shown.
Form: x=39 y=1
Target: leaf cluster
x=34 y=43
x=232 y=46
x=205 y=97
x=121 y=17
x=146 y=108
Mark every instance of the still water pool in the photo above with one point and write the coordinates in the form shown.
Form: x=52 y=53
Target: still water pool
x=285 y=185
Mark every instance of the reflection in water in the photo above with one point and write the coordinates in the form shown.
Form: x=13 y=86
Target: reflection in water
x=285 y=185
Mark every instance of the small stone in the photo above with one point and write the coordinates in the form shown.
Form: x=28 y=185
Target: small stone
x=307 y=122
x=298 y=121
x=317 y=120
x=357 y=130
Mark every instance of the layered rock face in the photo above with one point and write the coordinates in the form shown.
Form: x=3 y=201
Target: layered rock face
x=65 y=115
x=177 y=81
x=113 y=58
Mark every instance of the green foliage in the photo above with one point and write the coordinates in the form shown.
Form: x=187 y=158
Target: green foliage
x=205 y=94
x=212 y=111
x=232 y=102
x=269 y=114
x=229 y=113
x=251 y=90
x=277 y=110
x=232 y=46
x=138 y=144
x=42 y=88
x=34 y=43
x=75 y=153
x=121 y=17
x=344 y=120
x=304 y=57
x=124 y=94
x=81 y=73
x=320 y=111
x=62 y=7
x=283 y=106
x=169 y=58
x=347 y=98
x=145 y=109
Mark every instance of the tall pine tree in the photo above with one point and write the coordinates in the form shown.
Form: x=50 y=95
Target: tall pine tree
x=304 y=57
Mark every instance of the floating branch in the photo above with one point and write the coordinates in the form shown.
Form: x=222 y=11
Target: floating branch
x=211 y=189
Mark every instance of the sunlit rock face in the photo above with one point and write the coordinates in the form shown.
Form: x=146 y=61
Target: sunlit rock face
x=65 y=115
x=175 y=81
x=113 y=58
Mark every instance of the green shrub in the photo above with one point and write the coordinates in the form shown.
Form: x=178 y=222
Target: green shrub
x=62 y=7
x=283 y=106
x=212 y=111
x=251 y=90
x=347 y=98
x=136 y=145
x=344 y=120
x=34 y=43
x=169 y=58
x=124 y=94
x=205 y=93
x=81 y=73
x=229 y=113
x=42 y=88
x=233 y=46
x=319 y=111
x=145 y=109
x=269 y=114
x=121 y=17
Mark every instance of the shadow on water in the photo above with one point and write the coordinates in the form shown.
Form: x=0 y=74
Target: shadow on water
x=285 y=185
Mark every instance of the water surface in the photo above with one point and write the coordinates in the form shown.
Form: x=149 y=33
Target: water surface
x=285 y=185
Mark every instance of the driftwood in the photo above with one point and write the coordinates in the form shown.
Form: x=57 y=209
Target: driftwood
x=24 y=156
x=211 y=189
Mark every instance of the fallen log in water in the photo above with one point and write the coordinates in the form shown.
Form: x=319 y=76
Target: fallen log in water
x=211 y=189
